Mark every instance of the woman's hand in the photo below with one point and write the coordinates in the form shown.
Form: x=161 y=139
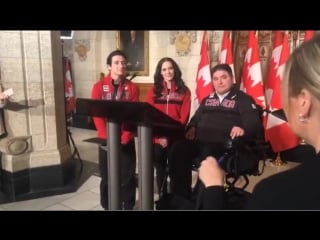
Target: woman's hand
x=210 y=173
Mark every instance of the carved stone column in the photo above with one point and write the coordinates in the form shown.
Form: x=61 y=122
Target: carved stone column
x=31 y=64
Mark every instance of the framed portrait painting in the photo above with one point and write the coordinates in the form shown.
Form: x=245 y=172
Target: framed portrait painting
x=135 y=44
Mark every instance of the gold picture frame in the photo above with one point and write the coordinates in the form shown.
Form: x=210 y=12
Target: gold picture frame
x=135 y=44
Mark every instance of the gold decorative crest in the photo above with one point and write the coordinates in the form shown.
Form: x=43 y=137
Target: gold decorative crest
x=82 y=47
x=182 y=41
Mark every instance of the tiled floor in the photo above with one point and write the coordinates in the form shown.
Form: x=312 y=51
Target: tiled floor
x=87 y=196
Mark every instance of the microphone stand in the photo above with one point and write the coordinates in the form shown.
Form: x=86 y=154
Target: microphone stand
x=132 y=77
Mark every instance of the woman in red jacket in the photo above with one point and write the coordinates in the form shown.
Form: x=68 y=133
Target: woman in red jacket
x=171 y=96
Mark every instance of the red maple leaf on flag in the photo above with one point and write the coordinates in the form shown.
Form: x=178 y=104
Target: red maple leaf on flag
x=204 y=85
x=252 y=76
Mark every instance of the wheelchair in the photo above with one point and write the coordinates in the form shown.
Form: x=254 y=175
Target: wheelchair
x=243 y=159
x=240 y=158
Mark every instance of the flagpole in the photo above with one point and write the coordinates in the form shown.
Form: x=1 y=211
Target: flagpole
x=230 y=37
x=302 y=141
x=234 y=42
x=296 y=43
x=294 y=39
x=277 y=162
x=263 y=80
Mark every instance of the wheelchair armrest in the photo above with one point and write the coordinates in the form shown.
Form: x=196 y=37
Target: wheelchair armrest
x=232 y=144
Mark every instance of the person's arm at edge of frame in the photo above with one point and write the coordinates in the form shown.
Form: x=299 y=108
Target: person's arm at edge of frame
x=212 y=176
x=3 y=99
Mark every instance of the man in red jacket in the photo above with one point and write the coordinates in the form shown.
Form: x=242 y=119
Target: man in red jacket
x=116 y=87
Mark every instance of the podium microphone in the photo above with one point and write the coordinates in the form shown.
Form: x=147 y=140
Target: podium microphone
x=132 y=77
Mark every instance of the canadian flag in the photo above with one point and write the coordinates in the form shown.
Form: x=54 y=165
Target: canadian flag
x=278 y=132
x=70 y=100
x=226 y=52
x=273 y=74
x=308 y=35
x=204 y=85
x=251 y=75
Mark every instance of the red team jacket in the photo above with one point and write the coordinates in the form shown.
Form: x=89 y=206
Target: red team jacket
x=174 y=104
x=104 y=89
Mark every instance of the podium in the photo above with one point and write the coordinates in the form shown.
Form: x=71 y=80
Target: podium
x=147 y=121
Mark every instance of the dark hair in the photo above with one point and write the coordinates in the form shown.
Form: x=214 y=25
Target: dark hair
x=117 y=52
x=158 y=79
x=222 y=67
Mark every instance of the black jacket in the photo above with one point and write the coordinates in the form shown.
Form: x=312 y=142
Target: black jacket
x=295 y=189
x=214 y=120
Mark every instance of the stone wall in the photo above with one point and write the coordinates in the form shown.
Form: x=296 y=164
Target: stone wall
x=31 y=64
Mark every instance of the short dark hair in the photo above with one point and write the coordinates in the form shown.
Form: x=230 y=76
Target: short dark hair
x=223 y=67
x=117 y=52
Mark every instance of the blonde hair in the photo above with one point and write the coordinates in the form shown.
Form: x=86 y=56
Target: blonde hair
x=302 y=69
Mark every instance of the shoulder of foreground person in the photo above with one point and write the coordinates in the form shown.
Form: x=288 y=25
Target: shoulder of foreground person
x=294 y=189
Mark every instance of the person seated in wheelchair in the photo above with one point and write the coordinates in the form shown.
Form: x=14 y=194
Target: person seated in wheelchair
x=227 y=113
